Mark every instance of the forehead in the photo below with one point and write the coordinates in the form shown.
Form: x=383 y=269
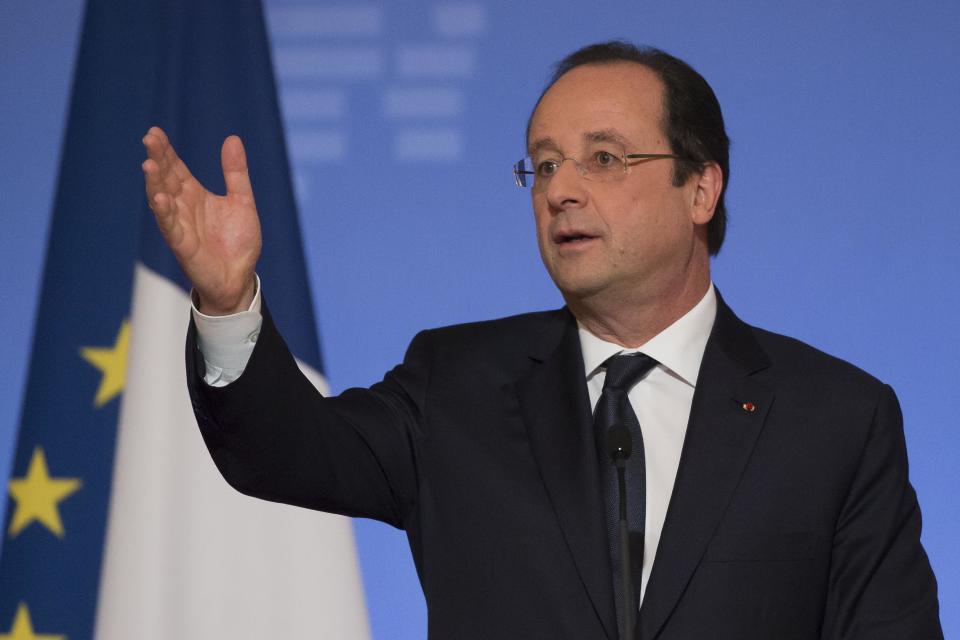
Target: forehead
x=621 y=97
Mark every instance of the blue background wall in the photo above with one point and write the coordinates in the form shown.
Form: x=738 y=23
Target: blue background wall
x=403 y=120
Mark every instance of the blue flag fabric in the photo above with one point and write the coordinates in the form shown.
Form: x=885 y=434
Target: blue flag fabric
x=217 y=81
x=202 y=71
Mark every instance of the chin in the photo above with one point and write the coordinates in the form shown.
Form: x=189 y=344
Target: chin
x=578 y=287
x=579 y=278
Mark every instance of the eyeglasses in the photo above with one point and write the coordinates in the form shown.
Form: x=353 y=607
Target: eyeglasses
x=600 y=166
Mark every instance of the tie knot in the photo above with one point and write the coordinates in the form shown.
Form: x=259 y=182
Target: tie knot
x=624 y=371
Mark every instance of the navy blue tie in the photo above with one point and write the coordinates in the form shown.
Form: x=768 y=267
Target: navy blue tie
x=623 y=372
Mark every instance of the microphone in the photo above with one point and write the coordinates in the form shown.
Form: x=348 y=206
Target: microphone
x=619 y=447
x=619 y=442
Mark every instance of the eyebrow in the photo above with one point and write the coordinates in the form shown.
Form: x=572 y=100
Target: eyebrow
x=601 y=135
x=606 y=135
x=542 y=143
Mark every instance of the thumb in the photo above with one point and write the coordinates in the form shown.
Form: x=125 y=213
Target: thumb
x=233 y=159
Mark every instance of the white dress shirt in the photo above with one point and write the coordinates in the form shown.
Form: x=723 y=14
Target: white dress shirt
x=661 y=400
x=227 y=342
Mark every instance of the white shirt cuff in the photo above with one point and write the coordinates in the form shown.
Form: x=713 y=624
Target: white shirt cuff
x=227 y=342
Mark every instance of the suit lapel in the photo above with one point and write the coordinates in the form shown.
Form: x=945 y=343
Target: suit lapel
x=720 y=437
x=556 y=410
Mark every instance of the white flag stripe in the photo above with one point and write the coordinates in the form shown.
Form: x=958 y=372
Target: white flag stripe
x=188 y=557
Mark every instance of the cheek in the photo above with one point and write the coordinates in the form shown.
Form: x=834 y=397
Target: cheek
x=630 y=220
x=660 y=213
x=541 y=219
x=644 y=229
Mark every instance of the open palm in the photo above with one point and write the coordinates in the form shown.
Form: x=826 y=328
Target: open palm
x=216 y=239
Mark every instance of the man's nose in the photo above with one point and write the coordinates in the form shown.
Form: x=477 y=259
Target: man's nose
x=566 y=187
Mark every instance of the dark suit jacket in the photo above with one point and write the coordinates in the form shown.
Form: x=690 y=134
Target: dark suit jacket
x=792 y=520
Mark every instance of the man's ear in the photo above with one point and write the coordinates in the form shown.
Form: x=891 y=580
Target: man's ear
x=709 y=185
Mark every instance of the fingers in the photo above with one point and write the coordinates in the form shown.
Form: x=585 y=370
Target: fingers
x=156 y=167
x=164 y=209
x=163 y=185
x=156 y=143
x=167 y=172
x=167 y=221
x=236 y=176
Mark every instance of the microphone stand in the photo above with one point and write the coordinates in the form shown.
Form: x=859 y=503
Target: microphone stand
x=619 y=445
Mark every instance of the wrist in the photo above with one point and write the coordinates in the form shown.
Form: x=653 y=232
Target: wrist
x=227 y=305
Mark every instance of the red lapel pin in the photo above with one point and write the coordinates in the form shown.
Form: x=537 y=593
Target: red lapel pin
x=748 y=406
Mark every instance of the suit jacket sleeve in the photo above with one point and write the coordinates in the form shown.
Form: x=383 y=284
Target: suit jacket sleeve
x=881 y=584
x=273 y=436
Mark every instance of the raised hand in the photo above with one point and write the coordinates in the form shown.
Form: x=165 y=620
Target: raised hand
x=216 y=239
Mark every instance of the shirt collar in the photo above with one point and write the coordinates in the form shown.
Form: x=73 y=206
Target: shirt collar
x=678 y=348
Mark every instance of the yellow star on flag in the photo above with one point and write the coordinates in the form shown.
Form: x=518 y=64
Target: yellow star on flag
x=38 y=496
x=112 y=362
x=22 y=628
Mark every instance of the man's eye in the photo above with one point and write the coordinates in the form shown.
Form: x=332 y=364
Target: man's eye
x=604 y=159
x=547 y=167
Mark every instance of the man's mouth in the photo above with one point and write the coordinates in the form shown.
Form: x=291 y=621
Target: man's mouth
x=572 y=237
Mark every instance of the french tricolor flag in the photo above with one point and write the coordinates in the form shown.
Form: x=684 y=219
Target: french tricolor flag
x=123 y=526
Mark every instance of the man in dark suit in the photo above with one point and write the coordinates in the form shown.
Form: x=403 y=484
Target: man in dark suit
x=767 y=493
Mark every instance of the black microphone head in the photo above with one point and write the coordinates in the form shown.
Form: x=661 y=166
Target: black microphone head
x=619 y=442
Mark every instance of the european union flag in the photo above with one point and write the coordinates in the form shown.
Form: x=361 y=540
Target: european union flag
x=118 y=524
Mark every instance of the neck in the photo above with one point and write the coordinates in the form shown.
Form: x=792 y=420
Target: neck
x=632 y=320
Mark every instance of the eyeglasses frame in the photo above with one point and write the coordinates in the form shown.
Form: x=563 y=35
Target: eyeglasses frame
x=520 y=180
